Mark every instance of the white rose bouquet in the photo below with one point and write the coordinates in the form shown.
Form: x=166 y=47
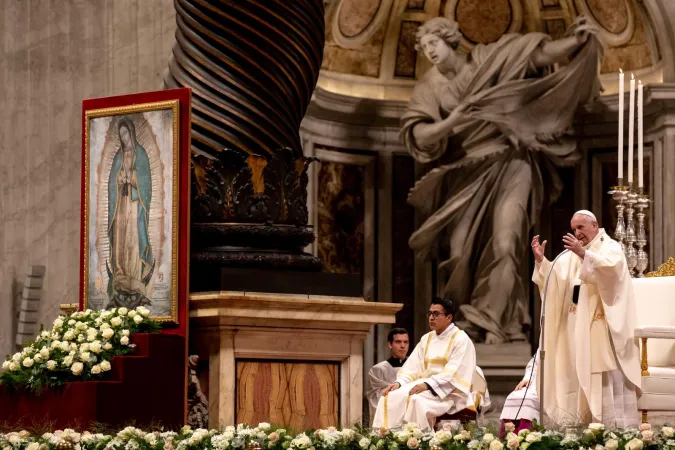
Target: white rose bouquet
x=78 y=347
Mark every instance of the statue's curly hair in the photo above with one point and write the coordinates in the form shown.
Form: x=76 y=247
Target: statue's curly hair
x=442 y=27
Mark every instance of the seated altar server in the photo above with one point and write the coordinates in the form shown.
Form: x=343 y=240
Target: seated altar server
x=436 y=378
x=384 y=373
x=591 y=360
x=521 y=407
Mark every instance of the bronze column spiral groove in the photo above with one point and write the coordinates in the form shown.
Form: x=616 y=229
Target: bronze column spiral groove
x=252 y=66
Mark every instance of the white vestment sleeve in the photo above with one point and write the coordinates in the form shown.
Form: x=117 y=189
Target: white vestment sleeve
x=458 y=371
x=414 y=366
x=375 y=385
x=541 y=271
x=530 y=370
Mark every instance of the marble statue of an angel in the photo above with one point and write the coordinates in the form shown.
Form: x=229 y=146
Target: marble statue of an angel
x=494 y=122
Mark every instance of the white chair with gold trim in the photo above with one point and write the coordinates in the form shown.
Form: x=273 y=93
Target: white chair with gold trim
x=655 y=298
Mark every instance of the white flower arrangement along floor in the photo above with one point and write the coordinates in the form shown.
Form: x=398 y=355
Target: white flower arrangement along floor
x=78 y=347
x=264 y=436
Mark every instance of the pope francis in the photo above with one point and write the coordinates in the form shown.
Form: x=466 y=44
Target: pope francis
x=436 y=378
x=591 y=360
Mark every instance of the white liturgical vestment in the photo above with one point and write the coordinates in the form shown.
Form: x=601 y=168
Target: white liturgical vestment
x=592 y=358
x=447 y=363
x=524 y=403
x=380 y=376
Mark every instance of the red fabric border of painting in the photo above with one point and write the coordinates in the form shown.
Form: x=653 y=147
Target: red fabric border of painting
x=184 y=95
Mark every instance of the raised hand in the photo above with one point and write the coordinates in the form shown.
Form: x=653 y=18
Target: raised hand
x=574 y=245
x=538 y=249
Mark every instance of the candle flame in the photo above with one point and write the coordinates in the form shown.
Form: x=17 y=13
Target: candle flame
x=640 y=82
x=632 y=77
x=620 y=70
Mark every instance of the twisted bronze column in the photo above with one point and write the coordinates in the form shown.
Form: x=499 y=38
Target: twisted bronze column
x=252 y=66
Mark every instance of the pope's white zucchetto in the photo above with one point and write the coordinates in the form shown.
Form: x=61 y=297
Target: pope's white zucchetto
x=587 y=213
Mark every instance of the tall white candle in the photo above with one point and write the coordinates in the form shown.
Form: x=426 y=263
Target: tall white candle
x=631 y=128
x=621 y=106
x=640 y=136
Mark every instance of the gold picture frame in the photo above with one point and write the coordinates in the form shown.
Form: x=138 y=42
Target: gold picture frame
x=135 y=174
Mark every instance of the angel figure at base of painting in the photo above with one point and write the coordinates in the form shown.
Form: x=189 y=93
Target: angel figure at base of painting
x=131 y=262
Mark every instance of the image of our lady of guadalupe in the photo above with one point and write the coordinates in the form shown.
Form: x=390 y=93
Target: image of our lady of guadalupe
x=131 y=262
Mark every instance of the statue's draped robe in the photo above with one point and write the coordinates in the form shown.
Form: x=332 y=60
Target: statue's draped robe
x=131 y=258
x=524 y=403
x=447 y=363
x=380 y=376
x=592 y=367
x=489 y=187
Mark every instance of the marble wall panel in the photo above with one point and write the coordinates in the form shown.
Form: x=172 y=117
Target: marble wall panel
x=54 y=55
x=289 y=394
x=340 y=219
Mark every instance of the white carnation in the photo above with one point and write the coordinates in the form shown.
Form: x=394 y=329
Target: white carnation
x=107 y=346
x=122 y=311
x=28 y=362
x=51 y=365
x=124 y=340
x=69 y=335
x=13 y=367
x=138 y=319
x=668 y=432
x=65 y=346
x=84 y=356
x=96 y=369
x=105 y=365
x=6 y=364
x=143 y=311
x=115 y=321
x=44 y=352
x=364 y=443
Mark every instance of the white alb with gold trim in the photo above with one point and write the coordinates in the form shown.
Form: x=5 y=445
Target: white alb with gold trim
x=447 y=363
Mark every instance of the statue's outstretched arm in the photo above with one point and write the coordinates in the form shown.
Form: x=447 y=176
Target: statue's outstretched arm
x=554 y=51
x=427 y=134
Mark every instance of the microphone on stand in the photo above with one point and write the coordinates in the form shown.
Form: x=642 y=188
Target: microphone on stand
x=541 y=352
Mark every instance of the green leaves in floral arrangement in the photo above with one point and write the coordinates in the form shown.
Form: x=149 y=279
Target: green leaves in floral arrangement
x=79 y=347
x=409 y=437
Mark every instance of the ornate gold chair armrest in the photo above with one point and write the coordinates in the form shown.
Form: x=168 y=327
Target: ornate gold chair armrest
x=647 y=332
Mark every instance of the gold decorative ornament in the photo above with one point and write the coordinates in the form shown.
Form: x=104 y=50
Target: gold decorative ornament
x=666 y=269
x=68 y=308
